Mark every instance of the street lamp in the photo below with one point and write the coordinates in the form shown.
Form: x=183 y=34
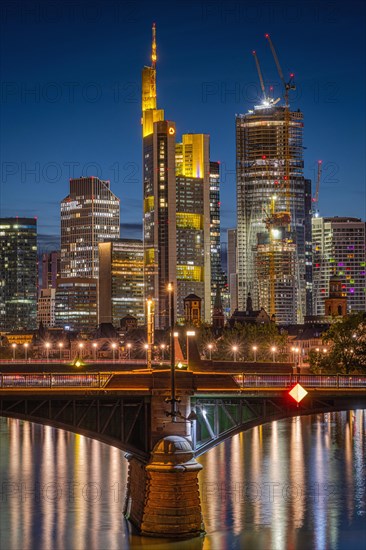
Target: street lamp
x=162 y=347
x=25 y=351
x=235 y=349
x=14 y=346
x=189 y=333
x=146 y=346
x=60 y=345
x=129 y=346
x=114 y=345
x=95 y=345
x=48 y=345
x=273 y=350
x=210 y=346
x=254 y=348
x=173 y=400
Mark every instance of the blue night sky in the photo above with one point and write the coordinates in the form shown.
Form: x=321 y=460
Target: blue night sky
x=83 y=61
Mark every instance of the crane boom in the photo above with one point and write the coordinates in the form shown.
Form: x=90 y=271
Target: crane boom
x=259 y=74
x=316 y=196
x=279 y=70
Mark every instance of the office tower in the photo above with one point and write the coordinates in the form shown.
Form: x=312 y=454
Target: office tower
x=89 y=215
x=121 y=281
x=18 y=273
x=46 y=307
x=76 y=303
x=159 y=197
x=271 y=211
x=232 y=271
x=308 y=248
x=50 y=268
x=218 y=276
x=193 y=228
x=339 y=250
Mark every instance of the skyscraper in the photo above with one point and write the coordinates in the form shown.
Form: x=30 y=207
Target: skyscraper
x=218 y=277
x=271 y=211
x=89 y=215
x=159 y=196
x=193 y=222
x=339 y=250
x=121 y=281
x=18 y=273
x=50 y=268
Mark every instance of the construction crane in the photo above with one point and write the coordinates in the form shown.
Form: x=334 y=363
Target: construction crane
x=287 y=86
x=315 y=199
x=259 y=74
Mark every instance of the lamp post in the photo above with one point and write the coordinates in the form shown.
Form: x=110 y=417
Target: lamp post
x=60 y=345
x=129 y=346
x=95 y=351
x=254 y=348
x=235 y=349
x=114 y=345
x=81 y=345
x=25 y=351
x=162 y=347
x=48 y=345
x=14 y=346
x=210 y=346
x=189 y=333
x=146 y=346
x=273 y=350
x=150 y=331
x=173 y=400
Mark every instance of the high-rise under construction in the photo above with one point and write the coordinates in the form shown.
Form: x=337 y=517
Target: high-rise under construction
x=271 y=207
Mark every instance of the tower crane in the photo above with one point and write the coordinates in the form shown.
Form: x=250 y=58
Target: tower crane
x=259 y=74
x=315 y=199
x=287 y=86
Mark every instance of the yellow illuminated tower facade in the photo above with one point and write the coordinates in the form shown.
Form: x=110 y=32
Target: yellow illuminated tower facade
x=193 y=222
x=159 y=195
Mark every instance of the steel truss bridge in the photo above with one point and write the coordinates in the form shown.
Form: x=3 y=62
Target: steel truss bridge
x=128 y=409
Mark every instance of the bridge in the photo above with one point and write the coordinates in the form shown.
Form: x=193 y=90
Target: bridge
x=130 y=411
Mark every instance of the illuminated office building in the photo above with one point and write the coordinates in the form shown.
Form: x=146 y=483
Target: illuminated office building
x=271 y=211
x=159 y=196
x=232 y=272
x=76 y=304
x=193 y=222
x=18 y=273
x=121 y=281
x=339 y=250
x=46 y=307
x=89 y=215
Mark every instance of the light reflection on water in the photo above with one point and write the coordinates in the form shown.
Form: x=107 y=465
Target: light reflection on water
x=296 y=483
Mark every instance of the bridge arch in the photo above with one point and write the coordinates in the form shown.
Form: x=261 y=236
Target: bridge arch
x=220 y=419
x=118 y=421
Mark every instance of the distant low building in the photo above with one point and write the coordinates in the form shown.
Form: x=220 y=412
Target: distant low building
x=249 y=316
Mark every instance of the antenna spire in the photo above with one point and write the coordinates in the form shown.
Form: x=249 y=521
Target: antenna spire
x=153 y=47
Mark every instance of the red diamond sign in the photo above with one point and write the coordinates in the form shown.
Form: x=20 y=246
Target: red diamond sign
x=298 y=393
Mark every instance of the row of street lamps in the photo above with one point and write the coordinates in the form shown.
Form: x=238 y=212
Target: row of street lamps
x=235 y=350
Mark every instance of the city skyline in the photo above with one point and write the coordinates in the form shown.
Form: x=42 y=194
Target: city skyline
x=51 y=129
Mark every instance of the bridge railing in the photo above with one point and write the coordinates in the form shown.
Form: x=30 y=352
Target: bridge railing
x=258 y=380
x=54 y=380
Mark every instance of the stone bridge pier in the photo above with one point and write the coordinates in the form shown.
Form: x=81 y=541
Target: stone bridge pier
x=162 y=497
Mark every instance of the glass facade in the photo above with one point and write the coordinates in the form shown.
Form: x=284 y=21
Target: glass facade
x=339 y=249
x=270 y=169
x=121 y=281
x=89 y=215
x=18 y=274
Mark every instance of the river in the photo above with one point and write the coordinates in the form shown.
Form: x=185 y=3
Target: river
x=296 y=483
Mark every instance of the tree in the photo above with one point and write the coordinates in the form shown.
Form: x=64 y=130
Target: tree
x=346 y=341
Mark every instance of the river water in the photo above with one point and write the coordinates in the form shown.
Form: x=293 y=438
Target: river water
x=297 y=483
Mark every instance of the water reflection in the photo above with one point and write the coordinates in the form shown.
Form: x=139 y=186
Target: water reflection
x=294 y=483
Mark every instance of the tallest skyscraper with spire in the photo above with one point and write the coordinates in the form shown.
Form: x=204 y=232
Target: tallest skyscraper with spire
x=159 y=195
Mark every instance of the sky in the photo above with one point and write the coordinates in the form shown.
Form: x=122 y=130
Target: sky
x=71 y=102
